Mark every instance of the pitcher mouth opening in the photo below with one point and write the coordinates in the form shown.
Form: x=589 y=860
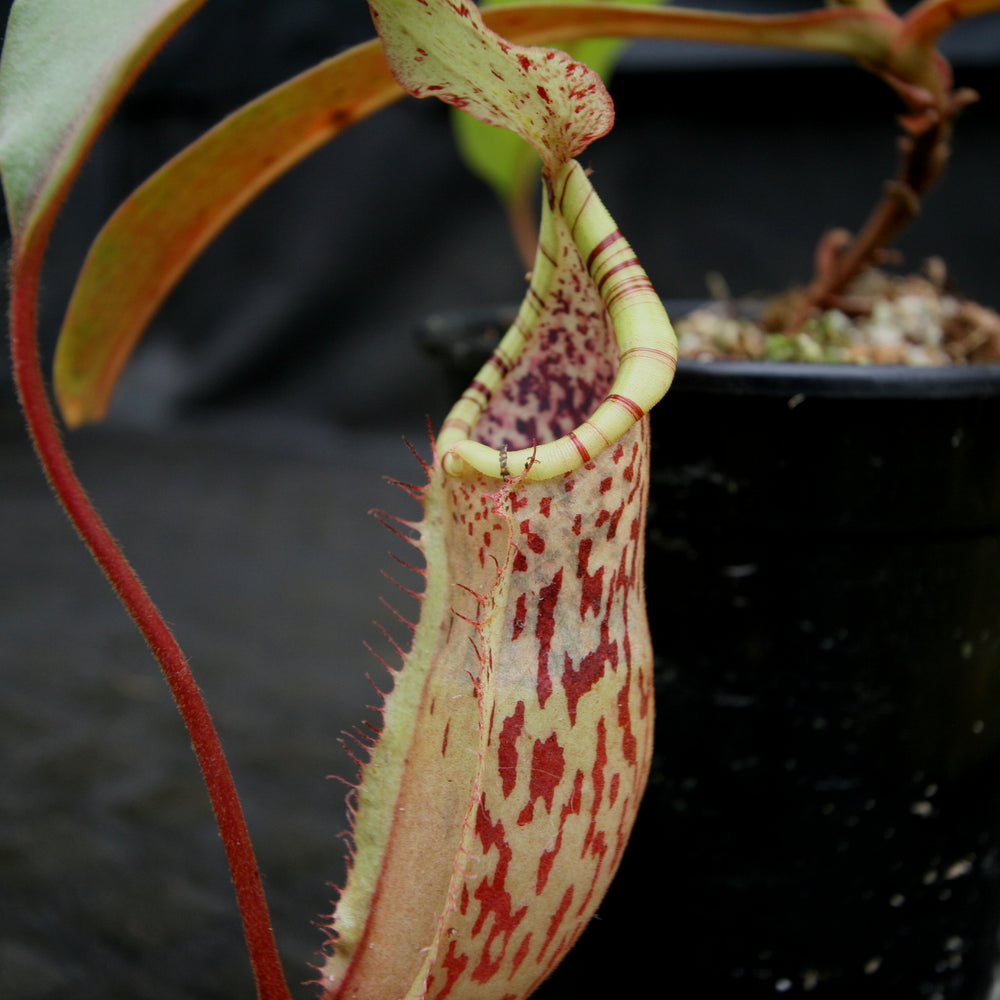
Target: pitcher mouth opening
x=545 y=379
x=590 y=352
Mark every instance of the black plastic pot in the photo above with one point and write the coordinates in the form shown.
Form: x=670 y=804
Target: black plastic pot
x=823 y=578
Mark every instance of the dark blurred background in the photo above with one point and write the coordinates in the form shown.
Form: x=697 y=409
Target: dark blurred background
x=271 y=394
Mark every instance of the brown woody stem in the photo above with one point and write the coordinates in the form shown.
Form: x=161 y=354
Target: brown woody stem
x=924 y=154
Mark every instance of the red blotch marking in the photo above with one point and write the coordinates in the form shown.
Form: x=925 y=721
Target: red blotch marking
x=629 y=741
x=547 y=765
x=507 y=752
x=621 y=834
x=557 y=919
x=577 y=524
x=545 y=865
x=645 y=696
x=520 y=562
x=606 y=484
x=570 y=808
x=519 y=955
x=535 y=542
x=543 y=94
x=615 y=518
x=595 y=843
x=635 y=529
x=545 y=507
x=520 y=616
x=565 y=943
x=599 y=850
x=578 y=681
x=463 y=904
x=630 y=468
x=597 y=779
x=454 y=966
x=444 y=742
x=613 y=790
x=545 y=627
x=592 y=587
x=494 y=899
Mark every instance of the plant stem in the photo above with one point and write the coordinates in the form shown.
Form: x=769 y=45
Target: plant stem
x=52 y=454
x=924 y=155
x=899 y=204
x=928 y=20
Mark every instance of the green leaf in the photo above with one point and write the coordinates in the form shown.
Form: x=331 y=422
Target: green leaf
x=64 y=68
x=150 y=241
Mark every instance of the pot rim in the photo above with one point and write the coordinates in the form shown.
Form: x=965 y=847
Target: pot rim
x=841 y=381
